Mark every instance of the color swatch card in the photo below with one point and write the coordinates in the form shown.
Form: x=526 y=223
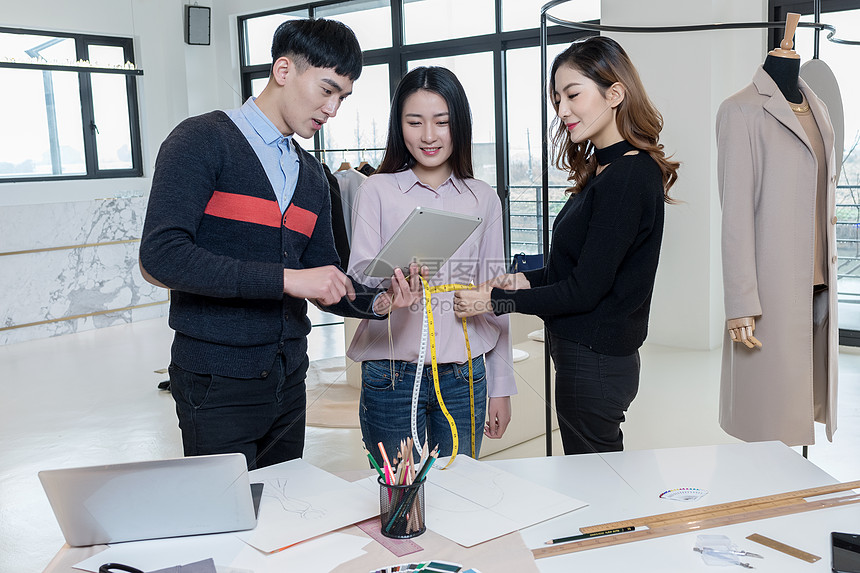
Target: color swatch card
x=301 y=501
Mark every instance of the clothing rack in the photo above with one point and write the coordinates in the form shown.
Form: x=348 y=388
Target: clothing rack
x=347 y=149
x=546 y=16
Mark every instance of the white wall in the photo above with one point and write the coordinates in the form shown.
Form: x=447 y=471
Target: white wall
x=688 y=75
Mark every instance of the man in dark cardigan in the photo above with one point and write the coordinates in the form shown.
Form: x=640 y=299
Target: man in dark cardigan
x=239 y=227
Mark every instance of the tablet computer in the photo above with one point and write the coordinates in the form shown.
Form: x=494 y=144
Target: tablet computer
x=428 y=237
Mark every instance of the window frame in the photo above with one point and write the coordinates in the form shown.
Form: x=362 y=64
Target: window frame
x=398 y=56
x=88 y=126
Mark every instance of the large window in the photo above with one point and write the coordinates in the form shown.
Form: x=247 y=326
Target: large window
x=524 y=152
x=68 y=107
x=492 y=46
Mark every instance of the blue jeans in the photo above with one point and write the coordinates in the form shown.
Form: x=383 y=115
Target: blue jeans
x=263 y=418
x=386 y=405
x=592 y=392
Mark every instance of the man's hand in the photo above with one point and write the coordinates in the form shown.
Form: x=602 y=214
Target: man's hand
x=498 y=417
x=402 y=292
x=326 y=285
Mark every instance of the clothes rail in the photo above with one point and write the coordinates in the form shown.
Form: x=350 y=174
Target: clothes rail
x=818 y=26
x=347 y=149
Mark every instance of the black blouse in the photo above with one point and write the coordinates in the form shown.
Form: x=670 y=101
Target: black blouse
x=596 y=286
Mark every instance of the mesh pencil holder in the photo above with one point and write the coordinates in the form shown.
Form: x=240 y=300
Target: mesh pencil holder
x=401 y=510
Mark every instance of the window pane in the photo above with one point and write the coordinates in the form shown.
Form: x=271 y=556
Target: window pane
x=25 y=47
x=475 y=72
x=41 y=121
x=523 y=14
x=257 y=85
x=110 y=107
x=524 y=150
x=259 y=32
x=431 y=20
x=361 y=122
x=843 y=61
x=106 y=56
x=370 y=20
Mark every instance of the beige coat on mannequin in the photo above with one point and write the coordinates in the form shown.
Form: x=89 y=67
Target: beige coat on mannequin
x=767 y=178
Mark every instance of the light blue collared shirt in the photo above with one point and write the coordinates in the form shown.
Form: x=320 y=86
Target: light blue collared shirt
x=275 y=151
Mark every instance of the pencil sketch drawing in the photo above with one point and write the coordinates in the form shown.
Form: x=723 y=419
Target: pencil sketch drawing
x=277 y=489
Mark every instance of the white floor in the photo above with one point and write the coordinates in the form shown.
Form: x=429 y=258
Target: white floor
x=91 y=398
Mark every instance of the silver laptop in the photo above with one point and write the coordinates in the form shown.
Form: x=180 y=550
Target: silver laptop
x=151 y=500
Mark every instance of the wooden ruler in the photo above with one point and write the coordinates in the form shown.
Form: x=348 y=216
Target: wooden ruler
x=708 y=517
x=768 y=501
x=787 y=549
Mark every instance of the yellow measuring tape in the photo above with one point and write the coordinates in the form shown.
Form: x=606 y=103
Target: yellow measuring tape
x=432 y=336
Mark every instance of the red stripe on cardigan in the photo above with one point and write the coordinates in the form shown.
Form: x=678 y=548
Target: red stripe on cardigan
x=244 y=208
x=300 y=220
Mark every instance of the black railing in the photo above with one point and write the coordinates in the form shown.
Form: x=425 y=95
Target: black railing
x=526 y=216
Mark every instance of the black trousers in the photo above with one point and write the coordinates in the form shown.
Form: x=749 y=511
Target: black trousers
x=592 y=392
x=263 y=418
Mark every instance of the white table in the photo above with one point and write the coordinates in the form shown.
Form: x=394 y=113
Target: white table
x=628 y=484
x=729 y=472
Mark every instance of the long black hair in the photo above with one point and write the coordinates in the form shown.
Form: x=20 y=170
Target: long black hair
x=443 y=82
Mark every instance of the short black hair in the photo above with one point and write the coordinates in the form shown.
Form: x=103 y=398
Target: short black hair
x=320 y=43
x=443 y=82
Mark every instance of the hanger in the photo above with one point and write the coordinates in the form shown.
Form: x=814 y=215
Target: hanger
x=344 y=164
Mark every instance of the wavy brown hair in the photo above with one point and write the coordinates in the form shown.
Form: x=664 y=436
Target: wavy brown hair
x=605 y=62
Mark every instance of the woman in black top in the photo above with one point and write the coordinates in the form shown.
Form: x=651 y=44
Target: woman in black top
x=594 y=293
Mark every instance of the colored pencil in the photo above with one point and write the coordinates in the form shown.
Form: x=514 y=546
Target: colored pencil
x=375 y=465
x=388 y=468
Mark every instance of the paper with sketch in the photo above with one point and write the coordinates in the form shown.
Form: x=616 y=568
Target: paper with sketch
x=323 y=554
x=472 y=501
x=301 y=501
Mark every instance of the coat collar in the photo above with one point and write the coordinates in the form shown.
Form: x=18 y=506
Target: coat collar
x=778 y=107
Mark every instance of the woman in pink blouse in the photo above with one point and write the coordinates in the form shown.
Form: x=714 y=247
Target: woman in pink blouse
x=428 y=163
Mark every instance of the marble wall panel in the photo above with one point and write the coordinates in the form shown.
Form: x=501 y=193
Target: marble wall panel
x=27 y=227
x=53 y=292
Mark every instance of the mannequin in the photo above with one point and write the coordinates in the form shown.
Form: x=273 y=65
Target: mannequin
x=783 y=66
x=777 y=191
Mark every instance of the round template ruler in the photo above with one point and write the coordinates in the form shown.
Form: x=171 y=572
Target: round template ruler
x=684 y=494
